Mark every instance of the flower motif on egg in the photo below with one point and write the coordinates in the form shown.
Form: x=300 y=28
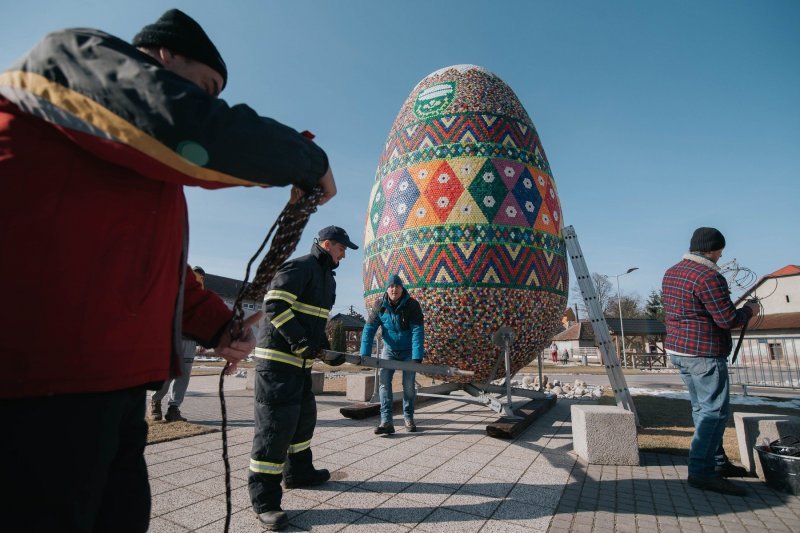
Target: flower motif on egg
x=529 y=207
x=488 y=201
x=511 y=211
x=443 y=202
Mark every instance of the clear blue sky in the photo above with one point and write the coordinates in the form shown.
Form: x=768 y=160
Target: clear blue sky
x=657 y=117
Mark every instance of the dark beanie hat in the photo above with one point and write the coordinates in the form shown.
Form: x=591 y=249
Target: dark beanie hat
x=394 y=279
x=199 y=270
x=706 y=240
x=180 y=33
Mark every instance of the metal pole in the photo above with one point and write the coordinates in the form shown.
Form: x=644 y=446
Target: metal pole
x=621 y=327
x=619 y=305
x=508 y=375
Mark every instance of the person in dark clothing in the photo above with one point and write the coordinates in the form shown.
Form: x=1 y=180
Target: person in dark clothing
x=699 y=317
x=97 y=139
x=296 y=309
x=400 y=318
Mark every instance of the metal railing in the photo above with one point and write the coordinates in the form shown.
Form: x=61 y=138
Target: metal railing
x=768 y=362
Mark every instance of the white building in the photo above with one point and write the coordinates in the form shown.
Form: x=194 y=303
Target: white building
x=774 y=335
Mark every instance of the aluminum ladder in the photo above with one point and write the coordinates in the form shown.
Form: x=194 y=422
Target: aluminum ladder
x=599 y=325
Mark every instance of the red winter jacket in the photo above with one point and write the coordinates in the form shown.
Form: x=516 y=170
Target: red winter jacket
x=96 y=143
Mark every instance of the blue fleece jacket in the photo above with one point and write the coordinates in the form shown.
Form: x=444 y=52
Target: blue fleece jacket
x=402 y=324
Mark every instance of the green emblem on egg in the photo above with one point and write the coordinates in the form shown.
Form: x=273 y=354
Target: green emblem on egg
x=434 y=99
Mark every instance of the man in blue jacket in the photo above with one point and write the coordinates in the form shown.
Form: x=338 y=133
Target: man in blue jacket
x=400 y=317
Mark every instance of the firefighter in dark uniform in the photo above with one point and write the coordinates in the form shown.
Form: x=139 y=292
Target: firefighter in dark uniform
x=296 y=309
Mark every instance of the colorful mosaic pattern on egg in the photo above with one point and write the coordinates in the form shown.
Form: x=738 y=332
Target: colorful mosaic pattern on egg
x=465 y=209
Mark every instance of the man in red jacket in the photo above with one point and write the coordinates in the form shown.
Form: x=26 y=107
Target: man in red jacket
x=97 y=139
x=699 y=316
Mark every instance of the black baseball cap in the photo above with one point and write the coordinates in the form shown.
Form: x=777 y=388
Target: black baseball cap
x=335 y=233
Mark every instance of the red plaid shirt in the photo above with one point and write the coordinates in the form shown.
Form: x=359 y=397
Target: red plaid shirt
x=698 y=309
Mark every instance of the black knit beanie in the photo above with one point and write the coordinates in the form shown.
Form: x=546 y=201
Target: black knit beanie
x=706 y=240
x=179 y=32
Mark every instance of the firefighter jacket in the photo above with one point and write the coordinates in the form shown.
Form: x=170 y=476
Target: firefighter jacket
x=97 y=141
x=296 y=309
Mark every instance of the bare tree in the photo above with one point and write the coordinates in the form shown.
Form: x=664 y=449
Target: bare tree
x=631 y=307
x=602 y=287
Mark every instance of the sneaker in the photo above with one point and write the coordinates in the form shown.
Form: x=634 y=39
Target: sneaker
x=386 y=428
x=274 y=520
x=155 y=410
x=174 y=414
x=315 y=477
x=731 y=470
x=411 y=427
x=717 y=484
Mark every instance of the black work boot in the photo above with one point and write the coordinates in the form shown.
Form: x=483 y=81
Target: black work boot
x=386 y=428
x=717 y=484
x=266 y=494
x=411 y=427
x=274 y=520
x=173 y=414
x=299 y=471
x=155 y=410
x=731 y=470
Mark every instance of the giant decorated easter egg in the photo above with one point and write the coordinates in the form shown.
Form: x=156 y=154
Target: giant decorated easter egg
x=464 y=208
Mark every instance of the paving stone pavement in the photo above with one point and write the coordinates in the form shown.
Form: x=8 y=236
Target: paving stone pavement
x=449 y=476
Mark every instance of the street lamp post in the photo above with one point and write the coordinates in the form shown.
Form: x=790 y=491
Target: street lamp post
x=619 y=305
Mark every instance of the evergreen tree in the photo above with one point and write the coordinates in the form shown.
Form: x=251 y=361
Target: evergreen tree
x=338 y=340
x=654 y=308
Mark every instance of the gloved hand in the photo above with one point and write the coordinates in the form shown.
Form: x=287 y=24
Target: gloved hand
x=338 y=359
x=306 y=349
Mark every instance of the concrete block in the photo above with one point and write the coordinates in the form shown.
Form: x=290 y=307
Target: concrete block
x=753 y=428
x=360 y=387
x=317 y=381
x=605 y=435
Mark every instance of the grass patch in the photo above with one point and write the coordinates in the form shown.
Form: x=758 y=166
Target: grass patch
x=162 y=431
x=667 y=425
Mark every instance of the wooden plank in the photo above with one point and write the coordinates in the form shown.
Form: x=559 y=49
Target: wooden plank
x=506 y=428
x=359 y=411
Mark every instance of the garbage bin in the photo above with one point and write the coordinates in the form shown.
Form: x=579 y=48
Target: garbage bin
x=781 y=464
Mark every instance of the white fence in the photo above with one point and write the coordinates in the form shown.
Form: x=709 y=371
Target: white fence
x=768 y=362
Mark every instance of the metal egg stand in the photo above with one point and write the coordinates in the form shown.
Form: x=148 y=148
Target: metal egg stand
x=514 y=417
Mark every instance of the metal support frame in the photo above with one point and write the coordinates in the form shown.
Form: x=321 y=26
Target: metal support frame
x=485 y=393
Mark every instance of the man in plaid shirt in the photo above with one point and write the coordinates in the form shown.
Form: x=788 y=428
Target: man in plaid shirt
x=699 y=317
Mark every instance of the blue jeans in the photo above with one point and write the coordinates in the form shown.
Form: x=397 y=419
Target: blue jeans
x=707 y=381
x=385 y=389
